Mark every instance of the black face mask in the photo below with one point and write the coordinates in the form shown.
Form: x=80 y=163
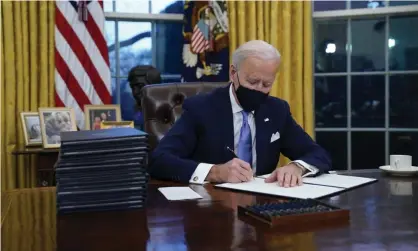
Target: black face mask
x=249 y=99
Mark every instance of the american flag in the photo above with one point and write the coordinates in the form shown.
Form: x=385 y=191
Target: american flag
x=200 y=40
x=82 y=73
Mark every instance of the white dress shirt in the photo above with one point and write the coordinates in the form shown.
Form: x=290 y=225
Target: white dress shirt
x=202 y=170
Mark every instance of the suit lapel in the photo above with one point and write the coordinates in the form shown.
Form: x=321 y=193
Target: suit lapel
x=224 y=113
x=262 y=134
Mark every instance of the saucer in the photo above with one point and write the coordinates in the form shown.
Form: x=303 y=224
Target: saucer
x=400 y=171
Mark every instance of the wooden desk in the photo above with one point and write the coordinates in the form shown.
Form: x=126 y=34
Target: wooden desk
x=384 y=216
x=46 y=159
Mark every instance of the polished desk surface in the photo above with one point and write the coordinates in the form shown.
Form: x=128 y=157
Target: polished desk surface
x=384 y=216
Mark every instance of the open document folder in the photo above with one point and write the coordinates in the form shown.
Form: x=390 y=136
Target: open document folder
x=312 y=188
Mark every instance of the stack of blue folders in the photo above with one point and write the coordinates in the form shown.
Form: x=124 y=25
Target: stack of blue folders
x=102 y=170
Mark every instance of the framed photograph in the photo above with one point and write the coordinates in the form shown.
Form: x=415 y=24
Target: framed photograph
x=53 y=122
x=31 y=126
x=95 y=114
x=116 y=124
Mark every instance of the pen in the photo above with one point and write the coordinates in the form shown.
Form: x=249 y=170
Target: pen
x=233 y=153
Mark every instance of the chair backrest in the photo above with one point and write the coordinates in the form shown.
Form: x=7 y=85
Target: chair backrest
x=162 y=105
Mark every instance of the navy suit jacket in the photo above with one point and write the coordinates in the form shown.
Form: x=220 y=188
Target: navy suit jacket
x=205 y=129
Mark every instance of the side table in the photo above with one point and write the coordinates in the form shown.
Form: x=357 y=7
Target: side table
x=45 y=164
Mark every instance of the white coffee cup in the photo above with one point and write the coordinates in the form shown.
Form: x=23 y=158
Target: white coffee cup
x=400 y=161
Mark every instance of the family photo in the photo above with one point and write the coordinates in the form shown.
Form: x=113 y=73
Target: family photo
x=31 y=128
x=53 y=122
x=96 y=114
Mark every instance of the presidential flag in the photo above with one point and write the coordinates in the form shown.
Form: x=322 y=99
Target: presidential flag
x=205 y=49
x=82 y=73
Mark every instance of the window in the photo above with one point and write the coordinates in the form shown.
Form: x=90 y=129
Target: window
x=142 y=32
x=366 y=81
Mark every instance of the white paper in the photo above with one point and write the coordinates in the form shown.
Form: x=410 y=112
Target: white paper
x=179 y=193
x=265 y=176
x=335 y=180
x=305 y=191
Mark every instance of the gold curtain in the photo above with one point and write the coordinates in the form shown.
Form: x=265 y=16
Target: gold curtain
x=30 y=220
x=287 y=25
x=27 y=81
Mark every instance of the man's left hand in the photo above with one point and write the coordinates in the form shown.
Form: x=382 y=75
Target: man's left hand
x=287 y=176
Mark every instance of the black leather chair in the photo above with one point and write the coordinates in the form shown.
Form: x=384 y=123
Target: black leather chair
x=162 y=105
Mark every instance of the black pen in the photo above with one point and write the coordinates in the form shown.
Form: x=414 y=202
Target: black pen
x=233 y=153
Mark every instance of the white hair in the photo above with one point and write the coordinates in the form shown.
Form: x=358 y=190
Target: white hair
x=254 y=48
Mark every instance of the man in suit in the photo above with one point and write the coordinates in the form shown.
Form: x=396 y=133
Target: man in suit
x=236 y=132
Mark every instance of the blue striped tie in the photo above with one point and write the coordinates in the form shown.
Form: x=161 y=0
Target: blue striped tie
x=244 y=143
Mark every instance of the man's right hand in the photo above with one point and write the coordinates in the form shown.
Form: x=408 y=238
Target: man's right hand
x=233 y=171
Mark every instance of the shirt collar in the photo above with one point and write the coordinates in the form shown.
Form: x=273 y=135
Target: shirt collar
x=236 y=108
